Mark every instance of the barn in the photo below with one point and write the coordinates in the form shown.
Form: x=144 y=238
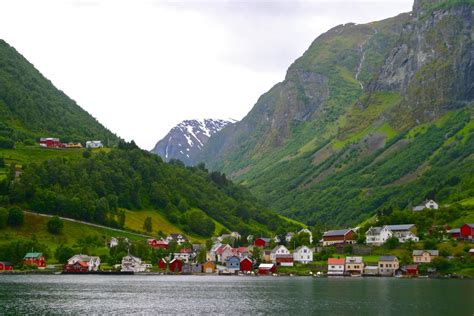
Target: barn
x=35 y=259
x=262 y=242
x=266 y=269
x=467 y=231
x=176 y=266
x=246 y=264
x=50 y=142
x=5 y=266
x=209 y=267
x=162 y=264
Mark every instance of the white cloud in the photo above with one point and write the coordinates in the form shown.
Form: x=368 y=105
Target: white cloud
x=142 y=66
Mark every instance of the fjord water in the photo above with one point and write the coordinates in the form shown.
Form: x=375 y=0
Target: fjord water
x=90 y=294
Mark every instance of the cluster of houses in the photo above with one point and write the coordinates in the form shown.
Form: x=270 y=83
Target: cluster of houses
x=386 y=266
x=51 y=142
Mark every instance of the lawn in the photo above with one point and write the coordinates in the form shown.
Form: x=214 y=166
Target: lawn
x=34 y=227
x=134 y=221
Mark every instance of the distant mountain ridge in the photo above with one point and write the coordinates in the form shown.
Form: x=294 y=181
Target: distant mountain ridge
x=186 y=140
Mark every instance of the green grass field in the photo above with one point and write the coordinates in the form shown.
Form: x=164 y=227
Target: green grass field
x=34 y=228
x=26 y=154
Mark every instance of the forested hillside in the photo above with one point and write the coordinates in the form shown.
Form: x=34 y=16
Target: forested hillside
x=31 y=107
x=99 y=188
x=371 y=117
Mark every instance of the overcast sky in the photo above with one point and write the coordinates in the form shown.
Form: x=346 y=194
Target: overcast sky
x=142 y=66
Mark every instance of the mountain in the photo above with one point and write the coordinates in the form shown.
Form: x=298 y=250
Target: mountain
x=186 y=140
x=31 y=107
x=371 y=118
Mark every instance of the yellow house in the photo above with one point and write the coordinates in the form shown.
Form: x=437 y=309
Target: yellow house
x=424 y=256
x=209 y=267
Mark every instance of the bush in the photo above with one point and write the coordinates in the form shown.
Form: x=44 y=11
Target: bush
x=392 y=243
x=15 y=216
x=6 y=143
x=200 y=223
x=3 y=217
x=55 y=225
x=148 y=225
x=63 y=253
x=2 y=162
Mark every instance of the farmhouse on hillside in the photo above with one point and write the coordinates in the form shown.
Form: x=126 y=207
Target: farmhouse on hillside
x=340 y=236
x=424 y=256
x=303 y=254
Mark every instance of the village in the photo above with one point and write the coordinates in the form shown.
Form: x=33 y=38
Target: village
x=337 y=253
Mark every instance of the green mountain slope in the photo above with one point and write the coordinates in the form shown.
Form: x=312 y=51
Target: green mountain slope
x=31 y=107
x=371 y=117
x=106 y=187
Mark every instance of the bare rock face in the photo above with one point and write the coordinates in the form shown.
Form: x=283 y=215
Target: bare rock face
x=188 y=138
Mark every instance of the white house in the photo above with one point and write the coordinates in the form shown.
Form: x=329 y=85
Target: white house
x=289 y=236
x=185 y=255
x=428 y=204
x=94 y=144
x=307 y=231
x=180 y=239
x=132 y=264
x=278 y=250
x=336 y=266
x=303 y=254
x=378 y=235
x=92 y=262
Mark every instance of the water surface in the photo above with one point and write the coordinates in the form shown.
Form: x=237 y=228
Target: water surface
x=90 y=294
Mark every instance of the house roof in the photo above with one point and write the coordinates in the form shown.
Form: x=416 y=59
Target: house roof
x=278 y=247
x=264 y=239
x=374 y=230
x=266 y=266
x=371 y=268
x=387 y=258
x=336 y=261
x=410 y=267
x=354 y=260
x=470 y=225
x=400 y=227
x=420 y=252
x=34 y=255
x=471 y=250
x=301 y=247
x=419 y=208
x=339 y=232
x=454 y=231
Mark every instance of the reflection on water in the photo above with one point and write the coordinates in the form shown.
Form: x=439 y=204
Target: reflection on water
x=71 y=294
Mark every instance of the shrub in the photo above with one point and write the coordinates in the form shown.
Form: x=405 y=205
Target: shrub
x=15 y=216
x=55 y=225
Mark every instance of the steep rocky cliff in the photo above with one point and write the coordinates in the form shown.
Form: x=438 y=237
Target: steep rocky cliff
x=363 y=119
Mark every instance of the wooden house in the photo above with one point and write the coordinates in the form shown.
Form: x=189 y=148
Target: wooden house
x=410 y=269
x=5 y=266
x=424 y=256
x=388 y=265
x=262 y=242
x=279 y=250
x=175 y=266
x=233 y=263
x=341 y=236
x=92 y=262
x=132 y=264
x=336 y=266
x=35 y=259
x=162 y=264
x=354 y=266
x=209 y=267
x=467 y=231
x=267 y=269
x=303 y=254
x=246 y=264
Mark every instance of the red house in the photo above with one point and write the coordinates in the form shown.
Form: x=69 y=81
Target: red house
x=51 y=143
x=176 y=266
x=246 y=264
x=35 y=259
x=162 y=264
x=77 y=267
x=262 y=242
x=467 y=231
x=5 y=266
x=266 y=269
x=411 y=269
x=157 y=244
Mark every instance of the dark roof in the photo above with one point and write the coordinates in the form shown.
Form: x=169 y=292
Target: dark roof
x=339 y=232
x=400 y=227
x=387 y=258
x=420 y=252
